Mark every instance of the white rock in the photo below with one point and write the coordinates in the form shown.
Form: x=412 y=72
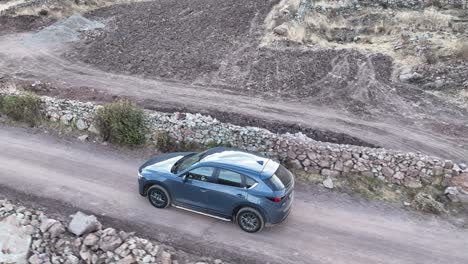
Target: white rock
x=14 y=242
x=91 y=240
x=81 y=124
x=83 y=138
x=82 y=224
x=328 y=183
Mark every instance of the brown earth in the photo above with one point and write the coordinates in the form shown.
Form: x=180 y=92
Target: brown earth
x=209 y=56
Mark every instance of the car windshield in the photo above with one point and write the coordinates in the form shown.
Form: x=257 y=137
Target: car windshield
x=281 y=180
x=187 y=161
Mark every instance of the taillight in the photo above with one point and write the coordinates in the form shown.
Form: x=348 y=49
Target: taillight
x=275 y=199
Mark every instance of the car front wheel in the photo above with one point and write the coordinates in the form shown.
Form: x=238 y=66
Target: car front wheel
x=250 y=220
x=159 y=197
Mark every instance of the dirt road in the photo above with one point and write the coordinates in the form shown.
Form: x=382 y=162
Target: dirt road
x=324 y=227
x=24 y=61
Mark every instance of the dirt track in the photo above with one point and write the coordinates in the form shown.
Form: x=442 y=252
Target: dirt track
x=76 y=79
x=324 y=227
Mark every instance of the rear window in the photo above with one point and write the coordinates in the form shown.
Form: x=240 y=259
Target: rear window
x=282 y=179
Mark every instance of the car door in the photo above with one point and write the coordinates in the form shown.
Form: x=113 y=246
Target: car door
x=192 y=191
x=227 y=193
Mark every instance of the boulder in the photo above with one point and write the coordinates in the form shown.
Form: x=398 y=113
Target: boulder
x=281 y=30
x=83 y=224
x=14 y=241
x=110 y=243
x=81 y=124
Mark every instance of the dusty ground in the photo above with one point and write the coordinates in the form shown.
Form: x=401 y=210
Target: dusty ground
x=207 y=56
x=40 y=169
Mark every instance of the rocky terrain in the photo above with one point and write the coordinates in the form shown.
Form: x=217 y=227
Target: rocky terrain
x=29 y=236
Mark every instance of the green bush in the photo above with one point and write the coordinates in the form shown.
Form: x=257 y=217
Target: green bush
x=25 y=108
x=121 y=122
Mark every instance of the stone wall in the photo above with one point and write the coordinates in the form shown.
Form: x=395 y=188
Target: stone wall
x=412 y=170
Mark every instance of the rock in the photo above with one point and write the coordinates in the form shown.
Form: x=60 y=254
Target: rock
x=92 y=129
x=81 y=124
x=91 y=240
x=281 y=30
x=34 y=259
x=46 y=224
x=328 y=183
x=83 y=224
x=456 y=195
x=83 y=138
x=14 y=242
x=56 y=229
x=65 y=119
x=147 y=259
x=462 y=166
x=295 y=164
x=399 y=175
x=410 y=77
x=387 y=172
x=166 y=258
x=73 y=259
x=110 y=243
x=127 y=260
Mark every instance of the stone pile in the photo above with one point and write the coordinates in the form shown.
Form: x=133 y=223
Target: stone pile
x=28 y=236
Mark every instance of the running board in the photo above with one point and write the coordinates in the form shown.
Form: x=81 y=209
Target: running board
x=194 y=211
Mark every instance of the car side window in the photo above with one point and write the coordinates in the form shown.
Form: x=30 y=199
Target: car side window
x=230 y=178
x=201 y=174
x=249 y=182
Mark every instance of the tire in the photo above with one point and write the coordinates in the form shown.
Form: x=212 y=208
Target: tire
x=159 y=197
x=250 y=220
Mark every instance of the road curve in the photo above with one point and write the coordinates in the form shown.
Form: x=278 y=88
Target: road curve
x=323 y=228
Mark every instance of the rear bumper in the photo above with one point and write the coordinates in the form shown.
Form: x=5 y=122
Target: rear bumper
x=280 y=220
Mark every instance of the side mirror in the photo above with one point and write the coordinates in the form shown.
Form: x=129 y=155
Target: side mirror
x=184 y=178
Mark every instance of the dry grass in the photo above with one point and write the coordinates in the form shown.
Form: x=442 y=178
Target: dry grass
x=429 y=19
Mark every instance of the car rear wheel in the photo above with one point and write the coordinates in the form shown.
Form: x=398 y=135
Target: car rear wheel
x=159 y=197
x=250 y=220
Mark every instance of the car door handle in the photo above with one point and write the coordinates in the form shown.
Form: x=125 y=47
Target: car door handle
x=203 y=190
x=240 y=195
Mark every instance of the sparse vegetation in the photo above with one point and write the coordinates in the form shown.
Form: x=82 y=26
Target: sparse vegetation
x=121 y=122
x=22 y=108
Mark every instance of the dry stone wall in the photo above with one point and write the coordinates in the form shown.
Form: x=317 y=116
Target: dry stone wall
x=412 y=170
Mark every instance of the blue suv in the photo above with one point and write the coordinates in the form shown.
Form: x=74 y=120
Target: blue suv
x=225 y=183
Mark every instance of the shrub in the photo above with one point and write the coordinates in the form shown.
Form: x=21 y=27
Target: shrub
x=121 y=122
x=25 y=108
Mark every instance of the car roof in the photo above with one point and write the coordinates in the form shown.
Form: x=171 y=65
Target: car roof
x=242 y=159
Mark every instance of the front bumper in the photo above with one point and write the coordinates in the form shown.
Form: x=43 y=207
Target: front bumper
x=141 y=185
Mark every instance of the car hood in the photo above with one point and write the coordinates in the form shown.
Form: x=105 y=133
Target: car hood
x=162 y=163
